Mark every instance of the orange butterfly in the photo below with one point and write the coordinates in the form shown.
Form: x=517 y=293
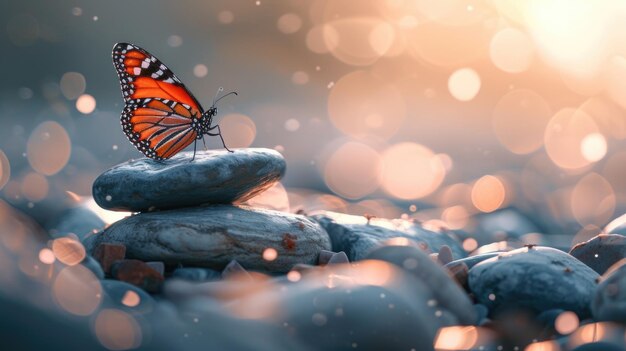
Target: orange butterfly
x=161 y=116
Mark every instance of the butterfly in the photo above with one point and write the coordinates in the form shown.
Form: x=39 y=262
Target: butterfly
x=161 y=116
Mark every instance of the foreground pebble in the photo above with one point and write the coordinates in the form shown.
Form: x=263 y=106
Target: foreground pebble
x=213 y=236
x=601 y=251
x=445 y=291
x=357 y=236
x=533 y=278
x=609 y=301
x=214 y=177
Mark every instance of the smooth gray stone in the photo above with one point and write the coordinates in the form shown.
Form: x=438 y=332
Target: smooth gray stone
x=534 y=278
x=77 y=220
x=214 y=177
x=213 y=236
x=355 y=236
x=446 y=292
x=197 y=274
x=473 y=260
x=502 y=225
x=609 y=300
x=601 y=251
x=360 y=317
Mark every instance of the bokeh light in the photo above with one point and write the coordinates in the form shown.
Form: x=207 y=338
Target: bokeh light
x=456 y=338
x=34 y=187
x=238 y=130
x=68 y=250
x=72 y=85
x=353 y=170
x=289 y=23
x=566 y=323
x=358 y=41
x=411 y=171
x=86 y=104
x=564 y=135
x=117 y=330
x=270 y=254
x=511 y=50
x=200 y=70
x=593 y=147
x=593 y=200
x=48 y=148
x=131 y=299
x=77 y=290
x=488 y=193
x=360 y=104
x=464 y=84
x=519 y=120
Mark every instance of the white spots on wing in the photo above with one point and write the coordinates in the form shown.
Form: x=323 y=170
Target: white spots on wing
x=145 y=64
x=137 y=71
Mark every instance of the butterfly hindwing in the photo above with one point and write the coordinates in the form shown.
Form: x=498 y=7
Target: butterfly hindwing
x=160 y=117
x=159 y=128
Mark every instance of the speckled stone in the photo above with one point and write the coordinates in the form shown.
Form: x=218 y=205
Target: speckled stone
x=533 y=278
x=356 y=236
x=213 y=236
x=214 y=177
x=601 y=251
x=609 y=300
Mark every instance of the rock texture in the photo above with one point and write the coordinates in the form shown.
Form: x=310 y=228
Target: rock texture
x=609 y=300
x=214 y=177
x=357 y=236
x=533 y=278
x=212 y=236
x=601 y=251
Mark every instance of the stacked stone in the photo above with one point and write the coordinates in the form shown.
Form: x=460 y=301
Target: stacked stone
x=187 y=216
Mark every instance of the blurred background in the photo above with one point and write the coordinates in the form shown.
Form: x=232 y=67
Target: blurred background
x=441 y=110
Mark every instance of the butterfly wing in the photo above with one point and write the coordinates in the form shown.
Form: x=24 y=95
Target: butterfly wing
x=160 y=112
x=159 y=128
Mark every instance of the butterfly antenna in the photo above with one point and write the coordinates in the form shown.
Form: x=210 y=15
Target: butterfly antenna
x=219 y=90
x=225 y=95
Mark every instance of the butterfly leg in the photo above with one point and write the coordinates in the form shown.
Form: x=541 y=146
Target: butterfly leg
x=219 y=133
x=194 y=150
x=204 y=142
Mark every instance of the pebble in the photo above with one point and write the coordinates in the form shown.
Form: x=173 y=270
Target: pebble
x=362 y=317
x=533 y=278
x=197 y=274
x=601 y=251
x=502 y=225
x=137 y=273
x=474 y=260
x=357 y=236
x=446 y=292
x=212 y=236
x=214 y=177
x=609 y=300
x=106 y=254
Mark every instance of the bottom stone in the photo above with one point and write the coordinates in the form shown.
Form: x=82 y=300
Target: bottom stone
x=213 y=236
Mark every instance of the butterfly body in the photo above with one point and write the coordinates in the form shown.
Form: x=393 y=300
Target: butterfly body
x=161 y=117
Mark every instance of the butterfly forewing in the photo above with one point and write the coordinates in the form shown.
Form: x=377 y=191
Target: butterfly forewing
x=160 y=112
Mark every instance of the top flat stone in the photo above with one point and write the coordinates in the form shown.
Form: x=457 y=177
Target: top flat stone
x=214 y=177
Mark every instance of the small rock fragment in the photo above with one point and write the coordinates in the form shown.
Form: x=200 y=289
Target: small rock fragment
x=157 y=266
x=137 y=273
x=234 y=270
x=324 y=257
x=106 y=254
x=339 y=258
